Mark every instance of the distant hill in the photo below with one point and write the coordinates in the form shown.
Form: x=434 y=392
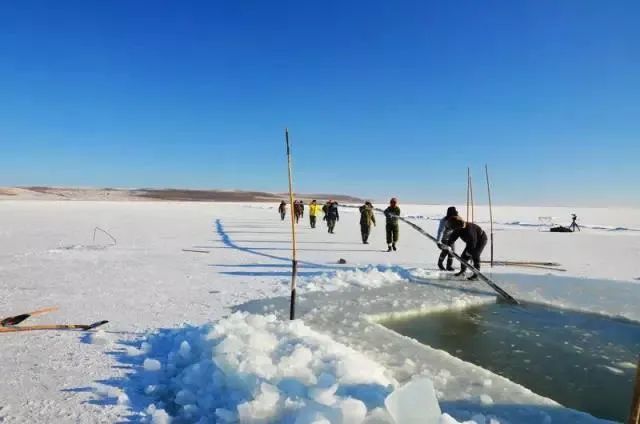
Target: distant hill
x=168 y=194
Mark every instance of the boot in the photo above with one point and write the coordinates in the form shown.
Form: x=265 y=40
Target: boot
x=450 y=265
x=459 y=273
x=474 y=277
x=393 y=246
x=440 y=266
x=389 y=248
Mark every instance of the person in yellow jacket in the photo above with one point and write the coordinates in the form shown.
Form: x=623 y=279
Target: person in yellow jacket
x=314 y=210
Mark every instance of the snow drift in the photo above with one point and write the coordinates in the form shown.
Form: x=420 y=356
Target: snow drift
x=365 y=277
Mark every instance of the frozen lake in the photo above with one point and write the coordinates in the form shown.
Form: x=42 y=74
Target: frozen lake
x=175 y=263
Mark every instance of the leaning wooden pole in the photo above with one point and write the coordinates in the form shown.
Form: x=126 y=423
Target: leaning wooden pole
x=486 y=172
x=634 y=416
x=294 y=261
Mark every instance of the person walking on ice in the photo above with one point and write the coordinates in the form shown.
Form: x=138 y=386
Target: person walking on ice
x=475 y=239
x=314 y=209
x=332 y=215
x=282 y=210
x=443 y=236
x=392 y=228
x=324 y=209
x=366 y=219
x=297 y=210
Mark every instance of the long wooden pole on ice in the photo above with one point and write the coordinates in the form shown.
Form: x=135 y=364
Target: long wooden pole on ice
x=486 y=171
x=294 y=261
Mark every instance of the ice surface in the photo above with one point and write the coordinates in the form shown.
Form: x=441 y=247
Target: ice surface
x=414 y=403
x=258 y=369
x=158 y=416
x=350 y=318
x=147 y=282
x=100 y=337
x=152 y=365
x=447 y=419
x=366 y=277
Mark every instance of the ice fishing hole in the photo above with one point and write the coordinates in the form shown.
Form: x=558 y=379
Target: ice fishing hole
x=582 y=361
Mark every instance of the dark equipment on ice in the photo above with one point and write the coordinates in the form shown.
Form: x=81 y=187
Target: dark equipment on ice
x=570 y=229
x=574 y=226
x=560 y=229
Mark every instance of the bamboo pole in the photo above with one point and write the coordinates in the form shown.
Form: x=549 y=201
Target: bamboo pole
x=471 y=197
x=634 y=415
x=468 y=180
x=294 y=261
x=486 y=171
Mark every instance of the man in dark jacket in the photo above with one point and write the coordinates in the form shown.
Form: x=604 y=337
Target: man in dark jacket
x=282 y=210
x=366 y=219
x=332 y=215
x=297 y=210
x=392 y=228
x=444 y=234
x=475 y=239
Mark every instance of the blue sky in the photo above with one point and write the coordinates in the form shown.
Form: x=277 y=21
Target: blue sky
x=381 y=97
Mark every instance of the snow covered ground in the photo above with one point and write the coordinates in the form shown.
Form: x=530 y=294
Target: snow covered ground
x=334 y=364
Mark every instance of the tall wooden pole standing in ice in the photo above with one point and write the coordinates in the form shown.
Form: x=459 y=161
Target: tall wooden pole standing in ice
x=294 y=261
x=470 y=195
x=468 y=181
x=486 y=171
